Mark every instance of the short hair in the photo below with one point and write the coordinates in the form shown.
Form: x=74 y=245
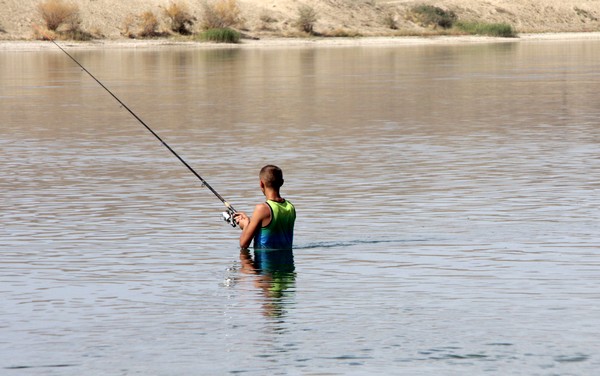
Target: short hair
x=271 y=176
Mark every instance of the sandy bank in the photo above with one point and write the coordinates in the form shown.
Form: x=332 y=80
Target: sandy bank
x=296 y=42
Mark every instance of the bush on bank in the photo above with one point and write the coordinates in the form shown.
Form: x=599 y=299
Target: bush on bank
x=56 y=13
x=429 y=15
x=491 y=29
x=143 y=25
x=180 y=18
x=221 y=35
x=62 y=21
x=432 y=16
x=307 y=16
x=220 y=14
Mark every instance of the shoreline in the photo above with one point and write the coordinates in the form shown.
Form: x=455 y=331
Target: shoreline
x=384 y=41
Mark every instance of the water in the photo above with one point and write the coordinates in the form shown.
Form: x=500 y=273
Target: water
x=448 y=201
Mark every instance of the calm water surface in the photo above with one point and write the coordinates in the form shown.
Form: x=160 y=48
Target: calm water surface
x=448 y=201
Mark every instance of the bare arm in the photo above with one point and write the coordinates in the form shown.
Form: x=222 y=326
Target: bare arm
x=262 y=214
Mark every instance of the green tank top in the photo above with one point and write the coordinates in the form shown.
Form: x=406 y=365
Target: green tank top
x=279 y=233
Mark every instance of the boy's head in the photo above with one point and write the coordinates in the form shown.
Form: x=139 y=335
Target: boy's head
x=271 y=176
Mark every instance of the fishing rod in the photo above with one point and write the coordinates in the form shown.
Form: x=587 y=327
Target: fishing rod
x=228 y=215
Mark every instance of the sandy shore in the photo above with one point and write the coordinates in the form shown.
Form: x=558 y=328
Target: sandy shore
x=296 y=42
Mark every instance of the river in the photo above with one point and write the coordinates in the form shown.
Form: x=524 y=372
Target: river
x=448 y=199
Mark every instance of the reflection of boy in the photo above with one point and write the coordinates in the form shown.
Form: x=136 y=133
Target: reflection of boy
x=274 y=277
x=272 y=223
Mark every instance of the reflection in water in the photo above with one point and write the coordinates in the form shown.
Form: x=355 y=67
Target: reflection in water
x=275 y=276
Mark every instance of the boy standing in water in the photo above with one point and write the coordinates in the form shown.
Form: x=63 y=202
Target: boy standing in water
x=272 y=223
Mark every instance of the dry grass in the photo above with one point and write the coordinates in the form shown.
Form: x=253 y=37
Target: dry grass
x=148 y=23
x=266 y=17
x=390 y=21
x=144 y=25
x=56 y=13
x=180 y=18
x=221 y=14
x=342 y=33
x=128 y=25
x=63 y=21
x=307 y=16
x=585 y=15
x=267 y=21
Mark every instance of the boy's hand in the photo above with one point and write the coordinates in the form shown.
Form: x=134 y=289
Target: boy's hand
x=241 y=219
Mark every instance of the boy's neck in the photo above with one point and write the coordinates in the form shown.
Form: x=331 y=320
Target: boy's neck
x=273 y=195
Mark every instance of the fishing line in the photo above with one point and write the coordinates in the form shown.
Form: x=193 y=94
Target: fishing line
x=228 y=215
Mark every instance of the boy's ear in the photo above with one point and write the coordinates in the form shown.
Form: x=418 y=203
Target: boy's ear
x=282 y=181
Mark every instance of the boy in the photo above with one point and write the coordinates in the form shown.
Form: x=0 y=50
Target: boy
x=272 y=223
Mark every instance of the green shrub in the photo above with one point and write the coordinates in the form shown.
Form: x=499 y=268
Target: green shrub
x=221 y=35
x=429 y=15
x=307 y=16
x=491 y=29
x=180 y=17
x=56 y=13
x=221 y=14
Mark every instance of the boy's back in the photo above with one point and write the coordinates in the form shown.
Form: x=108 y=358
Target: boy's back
x=272 y=223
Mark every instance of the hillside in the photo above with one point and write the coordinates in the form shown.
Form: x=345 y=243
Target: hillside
x=276 y=18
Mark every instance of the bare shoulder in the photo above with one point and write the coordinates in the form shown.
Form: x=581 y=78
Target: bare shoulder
x=262 y=210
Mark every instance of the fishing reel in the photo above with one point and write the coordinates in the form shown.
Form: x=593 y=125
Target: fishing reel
x=228 y=217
